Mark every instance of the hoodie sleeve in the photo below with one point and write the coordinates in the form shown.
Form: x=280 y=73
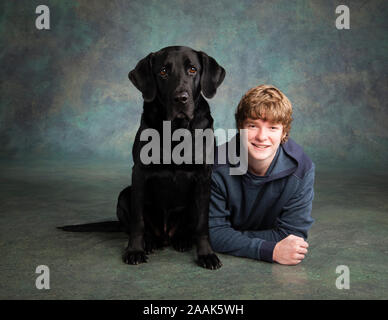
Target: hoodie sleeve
x=296 y=213
x=225 y=239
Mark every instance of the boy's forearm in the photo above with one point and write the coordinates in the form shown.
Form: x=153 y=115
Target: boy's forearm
x=273 y=235
x=233 y=242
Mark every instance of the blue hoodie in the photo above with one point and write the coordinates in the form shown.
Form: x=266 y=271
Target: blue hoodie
x=249 y=214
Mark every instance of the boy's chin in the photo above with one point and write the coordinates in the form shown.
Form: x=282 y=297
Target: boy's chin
x=260 y=155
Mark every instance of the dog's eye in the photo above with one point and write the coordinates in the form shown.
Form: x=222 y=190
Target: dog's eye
x=163 y=71
x=193 y=70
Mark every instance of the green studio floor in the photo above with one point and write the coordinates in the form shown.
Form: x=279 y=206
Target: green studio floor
x=351 y=228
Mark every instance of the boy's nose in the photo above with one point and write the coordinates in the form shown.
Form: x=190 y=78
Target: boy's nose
x=261 y=135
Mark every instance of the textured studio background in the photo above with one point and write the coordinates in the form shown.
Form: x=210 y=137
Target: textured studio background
x=65 y=92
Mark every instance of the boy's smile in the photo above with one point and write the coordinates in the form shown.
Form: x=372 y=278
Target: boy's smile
x=264 y=138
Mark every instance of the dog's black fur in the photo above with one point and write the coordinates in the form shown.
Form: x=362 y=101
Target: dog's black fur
x=169 y=203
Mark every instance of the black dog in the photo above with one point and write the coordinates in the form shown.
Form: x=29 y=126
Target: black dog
x=169 y=203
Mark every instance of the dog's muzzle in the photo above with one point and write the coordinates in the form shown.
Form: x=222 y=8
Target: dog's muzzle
x=181 y=97
x=182 y=115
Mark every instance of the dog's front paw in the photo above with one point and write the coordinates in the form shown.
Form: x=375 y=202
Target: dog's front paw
x=134 y=257
x=209 y=261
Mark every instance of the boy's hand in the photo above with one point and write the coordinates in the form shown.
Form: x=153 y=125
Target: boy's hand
x=290 y=250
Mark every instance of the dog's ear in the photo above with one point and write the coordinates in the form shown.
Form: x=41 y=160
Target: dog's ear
x=212 y=75
x=143 y=79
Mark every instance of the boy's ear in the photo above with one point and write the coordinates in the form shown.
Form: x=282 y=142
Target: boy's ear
x=285 y=135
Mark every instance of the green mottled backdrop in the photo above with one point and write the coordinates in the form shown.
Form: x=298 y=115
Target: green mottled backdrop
x=65 y=91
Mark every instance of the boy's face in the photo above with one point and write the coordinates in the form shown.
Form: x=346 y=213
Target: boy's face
x=264 y=138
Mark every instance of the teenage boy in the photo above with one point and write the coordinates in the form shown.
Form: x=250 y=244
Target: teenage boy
x=264 y=214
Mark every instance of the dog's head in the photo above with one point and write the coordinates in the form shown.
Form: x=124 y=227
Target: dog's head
x=176 y=76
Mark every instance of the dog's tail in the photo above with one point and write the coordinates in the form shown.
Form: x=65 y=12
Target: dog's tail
x=105 y=226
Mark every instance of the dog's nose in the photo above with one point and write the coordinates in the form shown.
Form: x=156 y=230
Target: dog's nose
x=181 y=97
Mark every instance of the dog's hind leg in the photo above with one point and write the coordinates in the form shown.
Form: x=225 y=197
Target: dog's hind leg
x=206 y=257
x=124 y=215
x=124 y=207
x=131 y=209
